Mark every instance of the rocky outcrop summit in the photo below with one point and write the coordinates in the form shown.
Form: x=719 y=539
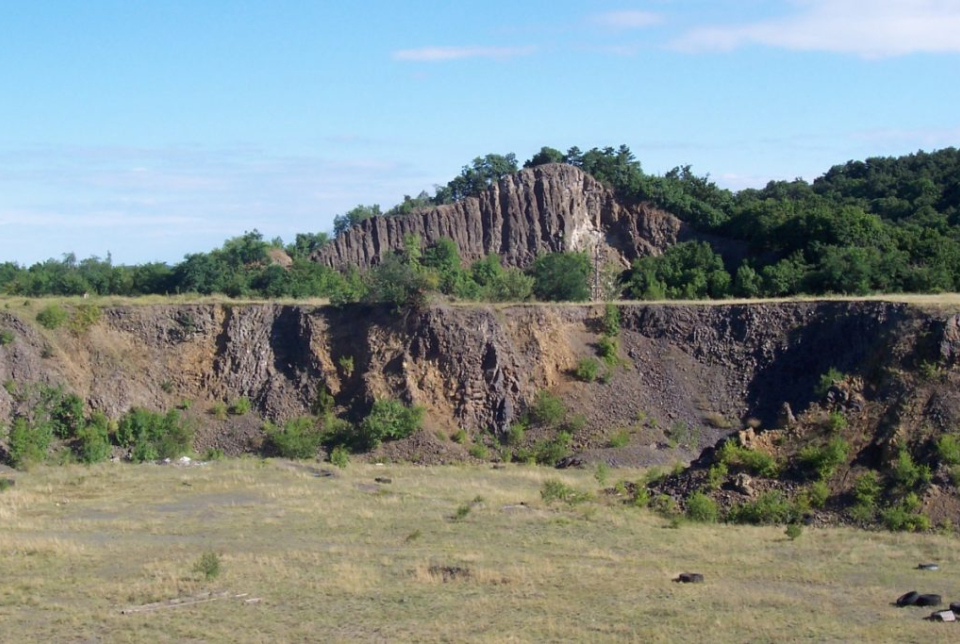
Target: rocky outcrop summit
x=548 y=208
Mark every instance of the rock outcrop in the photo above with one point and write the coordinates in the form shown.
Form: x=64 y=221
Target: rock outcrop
x=548 y=208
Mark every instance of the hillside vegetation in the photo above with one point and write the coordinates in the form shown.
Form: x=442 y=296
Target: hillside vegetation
x=881 y=225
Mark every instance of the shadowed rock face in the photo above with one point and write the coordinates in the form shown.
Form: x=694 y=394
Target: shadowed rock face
x=538 y=210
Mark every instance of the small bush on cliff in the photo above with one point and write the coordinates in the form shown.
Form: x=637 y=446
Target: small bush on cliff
x=84 y=317
x=948 y=450
x=389 y=420
x=827 y=380
x=610 y=322
x=587 y=369
x=51 y=316
x=905 y=475
x=823 y=461
x=6 y=337
x=297 y=438
x=547 y=410
x=241 y=406
x=753 y=461
x=769 y=508
x=905 y=516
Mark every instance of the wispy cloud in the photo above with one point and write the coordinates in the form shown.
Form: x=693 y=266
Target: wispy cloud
x=866 y=28
x=442 y=54
x=627 y=19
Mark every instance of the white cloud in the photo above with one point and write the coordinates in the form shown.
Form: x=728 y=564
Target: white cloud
x=441 y=54
x=867 y=28
x=627 y=19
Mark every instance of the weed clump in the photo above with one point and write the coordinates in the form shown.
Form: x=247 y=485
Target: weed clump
x=51 y=317
x=554 y=490
x=587 y=369
x=208 y=565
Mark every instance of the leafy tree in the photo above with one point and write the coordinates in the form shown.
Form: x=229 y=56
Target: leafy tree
x=561 y=277
x=689 y=270
x=475 y=178
x=354 y=217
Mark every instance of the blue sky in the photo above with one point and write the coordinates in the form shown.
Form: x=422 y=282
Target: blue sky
x=154 y=129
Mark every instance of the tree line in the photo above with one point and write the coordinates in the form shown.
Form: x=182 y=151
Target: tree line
x=879 y=225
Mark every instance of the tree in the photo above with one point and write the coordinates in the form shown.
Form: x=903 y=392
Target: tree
x=475 y=178
x=353 y=217
x=544 y=156
x=561 y=277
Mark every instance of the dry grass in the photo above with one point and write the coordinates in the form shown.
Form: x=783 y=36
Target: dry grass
x=342 y=559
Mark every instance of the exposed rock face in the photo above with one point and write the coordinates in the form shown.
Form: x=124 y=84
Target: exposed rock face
x=478 y=367
x=548 y=208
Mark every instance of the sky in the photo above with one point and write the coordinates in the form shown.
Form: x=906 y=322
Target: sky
x=147 y=130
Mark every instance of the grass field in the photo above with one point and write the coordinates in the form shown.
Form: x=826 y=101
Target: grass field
x=344 y=558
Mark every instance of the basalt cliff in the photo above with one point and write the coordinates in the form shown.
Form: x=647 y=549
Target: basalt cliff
x=547 y=208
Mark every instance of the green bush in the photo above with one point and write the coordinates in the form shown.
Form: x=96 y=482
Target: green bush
x=716 y=475
x=587 y=369
x=769 y=508
x=948 y=450
x=905 y=516
x=28 y=443
x=620 y=438
x=153 y=435
x=823 y=461
x=907 y=475
x=84 y=317
x=836 y=421
x=66 y=414
x=548 y=452
x=346 y=365
x=389 y=420
x=866 y=496
x=241 y=406
x=51 y=317
x=516 y=434
x=479 y=451
x=793 y=531
x=561 y=277
x=547 y=410
x=340 y=456
x=827 y=380
x=818 y=493
x=608 y=349
x=6 y=337
x=752 y=461
x=554 y=490
x=209 y=565
x=219 y=410
x=601 y=473
x=323 y=403
x=701 y=508
x=297 y=438
x=610 y=322
x=93 y=439
x=459 y=437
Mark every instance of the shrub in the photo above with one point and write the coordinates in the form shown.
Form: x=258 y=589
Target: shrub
x=323 y=403
x=479 y=451
x=769 y=508
x=213 y=454
x=554 y=490
x=610 y=322
x=219 y=410
x=587 y=369
x=818 y=493
x=459 y=437
x=547 y=410
x=754 y=462
x=6 y=337
x=548 y=452
x=905 y=515
x=607 y=349
x=701 y=508
x=716 y=475
x=152 y=435
x=27 y=444
x=298 y=438
x=51 y=317
x=84 y=317
x=836 y=421
x=241 y=406
x=823 y=461
x=906 y=474
x=340 y=456
x=793 y=531
x=66 y=414
x=561 y=277
x=208 y=565
x=346 y=365
x=948 y=450
x=601 y=473
x=827 y=380
x=93 y=439
x=389 y=420
x=620 y=439
x=516 y=434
